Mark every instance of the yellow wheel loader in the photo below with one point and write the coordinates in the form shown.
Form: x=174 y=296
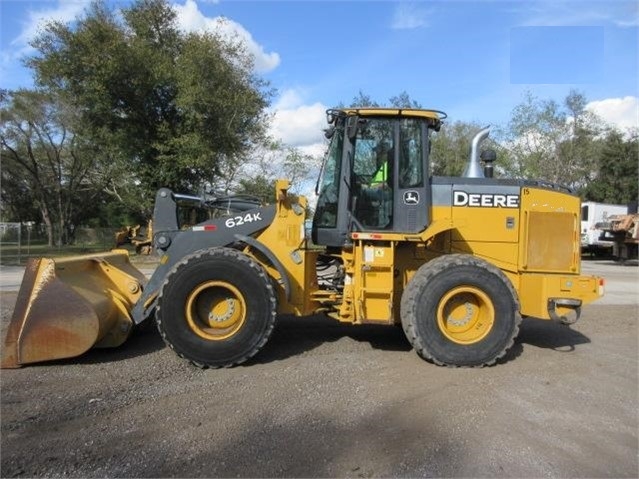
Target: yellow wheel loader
x=456 y=261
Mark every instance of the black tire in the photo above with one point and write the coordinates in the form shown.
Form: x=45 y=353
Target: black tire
x=459 y=310
x=217 y=308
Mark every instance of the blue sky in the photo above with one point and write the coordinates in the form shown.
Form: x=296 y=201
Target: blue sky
x=472 y=59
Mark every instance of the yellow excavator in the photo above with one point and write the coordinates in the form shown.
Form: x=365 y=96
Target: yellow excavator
x=456 y=261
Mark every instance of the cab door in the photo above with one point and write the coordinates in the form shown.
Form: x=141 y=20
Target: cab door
x=390 y=163
x=374 y=178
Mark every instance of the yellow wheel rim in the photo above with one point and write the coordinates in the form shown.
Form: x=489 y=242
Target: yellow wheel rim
x=465 y=315
x=215 y=310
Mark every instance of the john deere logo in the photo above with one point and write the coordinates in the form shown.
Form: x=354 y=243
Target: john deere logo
x=485 y=200
x=411 y=198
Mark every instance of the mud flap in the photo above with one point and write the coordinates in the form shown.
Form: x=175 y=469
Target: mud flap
x=69 y=305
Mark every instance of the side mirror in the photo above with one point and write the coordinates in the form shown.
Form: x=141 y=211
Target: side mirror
x=329 y=132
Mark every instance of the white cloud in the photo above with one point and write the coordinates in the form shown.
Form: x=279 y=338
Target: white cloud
x=302 y=126
x=408 y=16
x=66 y=11
x=191 y=19
x=289 y=99
x=621 y=14
x=11 y=74
x=620 y=112
x=299 y=125
x=316 y=150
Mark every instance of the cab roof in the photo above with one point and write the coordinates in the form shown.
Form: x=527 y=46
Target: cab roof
x=376 y=111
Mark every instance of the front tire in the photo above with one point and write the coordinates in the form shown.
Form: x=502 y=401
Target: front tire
x=459 y=310
x=217 y=308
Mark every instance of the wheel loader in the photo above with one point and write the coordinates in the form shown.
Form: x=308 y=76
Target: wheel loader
x=455 y=261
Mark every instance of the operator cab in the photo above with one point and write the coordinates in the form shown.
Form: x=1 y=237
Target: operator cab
x=375 y=174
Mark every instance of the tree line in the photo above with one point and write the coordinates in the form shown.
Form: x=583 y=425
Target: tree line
x=125 y=103
x=562 y=143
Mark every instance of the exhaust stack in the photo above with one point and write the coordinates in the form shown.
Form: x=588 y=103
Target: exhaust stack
x=473 y=170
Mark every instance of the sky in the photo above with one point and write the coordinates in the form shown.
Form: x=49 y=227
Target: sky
x=475 y=60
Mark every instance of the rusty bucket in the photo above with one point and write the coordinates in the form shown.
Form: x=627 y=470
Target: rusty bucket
x=67 y=306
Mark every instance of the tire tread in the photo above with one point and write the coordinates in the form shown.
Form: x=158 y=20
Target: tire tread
x=235 y=255
x=422 y=277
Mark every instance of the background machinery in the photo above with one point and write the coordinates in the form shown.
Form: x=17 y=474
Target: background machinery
x=457 y=261
x=595 y=219
x=623 y=231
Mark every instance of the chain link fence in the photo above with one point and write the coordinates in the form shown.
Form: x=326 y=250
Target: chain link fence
x=11 y=240
x=21 y=241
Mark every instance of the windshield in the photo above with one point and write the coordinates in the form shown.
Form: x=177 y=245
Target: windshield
x=326 y=212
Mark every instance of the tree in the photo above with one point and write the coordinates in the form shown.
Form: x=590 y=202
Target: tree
x=617 y=176
x=403 y=100
x=268 y=164
x=549 y=142
x=450 y=150
x=16 y=204
x=260 y=186
x=43 y=161
x=363 y=100
x=165 y=107
x=301 y=168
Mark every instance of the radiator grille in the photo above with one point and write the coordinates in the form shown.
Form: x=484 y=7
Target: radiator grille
x=551 y=241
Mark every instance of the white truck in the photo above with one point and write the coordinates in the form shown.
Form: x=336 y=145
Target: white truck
x=595 y=218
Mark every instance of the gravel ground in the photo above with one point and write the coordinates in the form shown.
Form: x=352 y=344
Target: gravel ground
x=329 y=400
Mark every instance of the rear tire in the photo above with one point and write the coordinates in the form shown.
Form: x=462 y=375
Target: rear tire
x=217 y=308
x=459 y=310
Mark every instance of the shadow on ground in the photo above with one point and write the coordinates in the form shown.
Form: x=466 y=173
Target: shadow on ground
x=141 y=342
x=550 y=335
x=295 y=336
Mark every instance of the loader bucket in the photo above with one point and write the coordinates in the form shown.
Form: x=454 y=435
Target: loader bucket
x=67 y=306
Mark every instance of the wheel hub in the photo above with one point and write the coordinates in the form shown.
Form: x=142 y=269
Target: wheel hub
x=465 y=315
x=222 y=311
x=215 y=310
x=467 y=309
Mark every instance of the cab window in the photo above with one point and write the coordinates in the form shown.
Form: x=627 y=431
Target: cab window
x=372 y=175
x=327 y=201
x=411 y=169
